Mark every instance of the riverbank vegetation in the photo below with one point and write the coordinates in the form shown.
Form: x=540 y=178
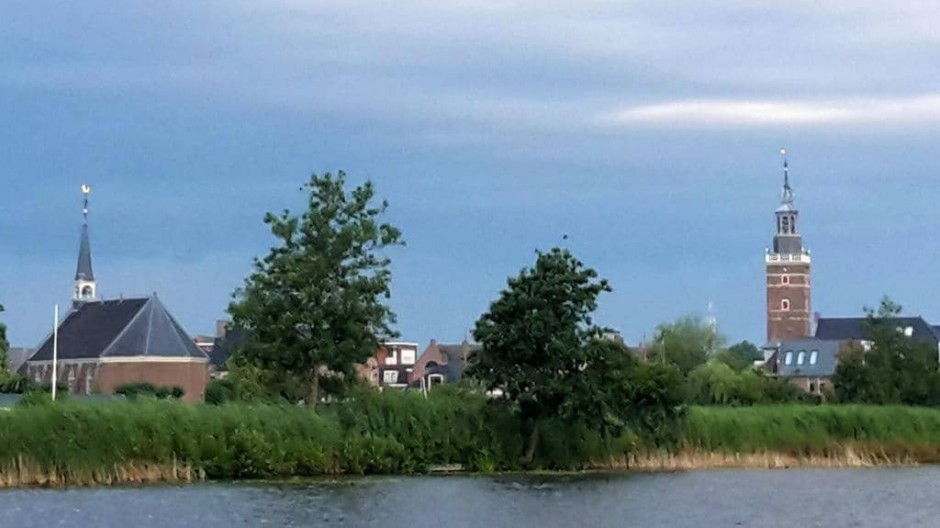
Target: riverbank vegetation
x=75 y=443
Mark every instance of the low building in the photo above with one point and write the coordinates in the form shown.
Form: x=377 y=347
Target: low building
x=856 y=329
x=443 y=363
x=809 y=363
x=105 y=344
x=392 y=365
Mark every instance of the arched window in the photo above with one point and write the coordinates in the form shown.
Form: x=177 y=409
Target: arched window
x=785 y=305
x=89 y=380
x=788 y=359
x=71 y=379
x=785 y=279
x=786 y=225
x=812 y=357
x=800 y=357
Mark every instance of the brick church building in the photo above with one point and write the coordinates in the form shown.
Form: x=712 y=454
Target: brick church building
x=103 y=344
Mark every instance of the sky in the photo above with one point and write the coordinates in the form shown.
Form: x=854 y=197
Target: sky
x=647 y=132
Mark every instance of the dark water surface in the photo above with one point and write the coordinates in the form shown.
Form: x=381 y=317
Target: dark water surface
x=791 y=498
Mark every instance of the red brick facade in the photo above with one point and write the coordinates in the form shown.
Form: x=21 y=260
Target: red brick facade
x=92 y=377
x=788 y=301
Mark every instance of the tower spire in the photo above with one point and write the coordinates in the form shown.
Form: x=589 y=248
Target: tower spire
x=85 y=284
x=787 y=196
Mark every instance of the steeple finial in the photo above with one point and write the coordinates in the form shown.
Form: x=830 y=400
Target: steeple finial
x=86 y=190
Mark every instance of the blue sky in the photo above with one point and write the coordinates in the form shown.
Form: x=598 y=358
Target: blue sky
x=647 y=132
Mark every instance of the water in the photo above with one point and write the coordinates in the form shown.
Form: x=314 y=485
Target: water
x=766 y=499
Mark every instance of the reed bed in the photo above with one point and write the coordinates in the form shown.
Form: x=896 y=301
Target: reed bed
x=147 y=441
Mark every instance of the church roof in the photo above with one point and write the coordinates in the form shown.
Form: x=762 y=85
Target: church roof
x=120 y=328
x=83 y=270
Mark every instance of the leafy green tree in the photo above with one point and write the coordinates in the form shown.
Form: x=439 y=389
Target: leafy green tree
x=316 y=305
x=535 y=340
x=685 y=343
x=895 y=369
x=740 y=356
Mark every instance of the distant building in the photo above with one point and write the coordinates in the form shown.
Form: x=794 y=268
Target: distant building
x=103 y=344
x=856 y=329
x=788 y=273
x=392 y=365
x=809 y=363
x=443 y=363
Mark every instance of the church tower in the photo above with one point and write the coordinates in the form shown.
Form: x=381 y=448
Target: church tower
x=85 y=285
x=788 y=272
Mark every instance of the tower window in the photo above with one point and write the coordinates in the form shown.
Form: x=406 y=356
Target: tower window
x=785 y=279
x=785 y=305
x=786 y=225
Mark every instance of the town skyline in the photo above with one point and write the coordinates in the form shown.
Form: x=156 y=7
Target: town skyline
x=659 y=164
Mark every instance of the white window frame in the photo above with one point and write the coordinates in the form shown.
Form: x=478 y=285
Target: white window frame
x=784 y=279
x=785 y=305
x=408 y=356
x=788 y=358
x=435 y=379
x=392 y=357
x=813 y=355
x=800 y=357
x=386 y=379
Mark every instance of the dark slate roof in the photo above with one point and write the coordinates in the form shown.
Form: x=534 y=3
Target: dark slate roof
x=120 y=328
x=223 y=347
x=855 y=328
x=827 y=353
x=83 y=270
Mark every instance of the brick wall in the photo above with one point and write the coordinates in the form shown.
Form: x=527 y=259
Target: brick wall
x=191 y=376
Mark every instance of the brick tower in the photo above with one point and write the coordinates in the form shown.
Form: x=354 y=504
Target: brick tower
x=788 y=272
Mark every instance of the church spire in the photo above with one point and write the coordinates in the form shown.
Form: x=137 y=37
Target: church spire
x=85 y=284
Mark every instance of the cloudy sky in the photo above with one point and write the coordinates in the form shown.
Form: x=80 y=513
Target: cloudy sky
x=647 y=133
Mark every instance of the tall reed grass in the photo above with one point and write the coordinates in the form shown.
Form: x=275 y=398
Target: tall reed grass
x=72 y=443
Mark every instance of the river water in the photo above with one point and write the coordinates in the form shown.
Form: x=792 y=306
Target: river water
x=728 y=498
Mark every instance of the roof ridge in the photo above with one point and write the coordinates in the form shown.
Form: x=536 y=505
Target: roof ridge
x=123 y=331
x=149 y=327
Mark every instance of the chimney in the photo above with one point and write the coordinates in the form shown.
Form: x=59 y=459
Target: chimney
x=221 y=325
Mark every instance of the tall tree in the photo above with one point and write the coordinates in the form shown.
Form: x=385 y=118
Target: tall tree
x=315 y=306
x=535 y=338
x=895 y=368
x=740 y=356
x=685 y=343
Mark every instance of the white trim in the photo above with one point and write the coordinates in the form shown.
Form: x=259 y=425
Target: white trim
x=46 y=363
x=151 y=359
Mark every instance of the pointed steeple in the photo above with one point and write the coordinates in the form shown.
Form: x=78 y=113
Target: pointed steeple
x=85 y=284
x=786 y=196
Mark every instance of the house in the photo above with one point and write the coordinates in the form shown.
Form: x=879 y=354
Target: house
x=103 y=344
x=809 y=363
x=392 y=365
x=442 y=363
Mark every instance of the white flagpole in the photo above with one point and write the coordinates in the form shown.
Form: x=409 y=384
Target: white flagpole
x=55 y=349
